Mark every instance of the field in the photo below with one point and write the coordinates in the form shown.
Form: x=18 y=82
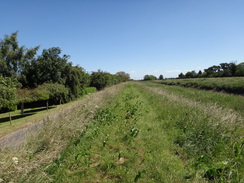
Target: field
x=136 y=132
x=230 y=85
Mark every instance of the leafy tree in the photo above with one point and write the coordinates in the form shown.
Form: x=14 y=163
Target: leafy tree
x=240 y=69
x=77 y=79
x=49 y=67
x=150 y=77
x=58 y=93
x=24 y=96
x=161 y=77
x=123 y=76
x=191 y=74
x=99 y=79
x=181 y=76
x=199 y=74
x=212 y=71
x=14 y=58
x=8 y=95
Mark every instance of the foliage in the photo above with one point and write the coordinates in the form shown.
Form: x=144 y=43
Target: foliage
x=221 y=70
x=101 y=79
x=161 y=77
x=76 y=79
x=123 y=76
x=56 y=92
x=149 y=77
x=89 y=90
x=14 y=58
x=7 y=93
x=49 y=67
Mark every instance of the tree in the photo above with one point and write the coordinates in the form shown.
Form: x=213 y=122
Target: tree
x=24 y=96
x=77 y=79
x=199 y=74
x=181 y=76
x=14 y=58
x=49 y=67
x=99 y=79
x=150 y=77
x=191 y=74
x=8 y=95
x=161 y=77
x=58 y=93
x=123 y=76
x=212 y=71
x=240 y=69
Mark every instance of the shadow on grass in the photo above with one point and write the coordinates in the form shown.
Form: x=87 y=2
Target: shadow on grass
x=26 y=114
x=6 y=119
x=37 y=110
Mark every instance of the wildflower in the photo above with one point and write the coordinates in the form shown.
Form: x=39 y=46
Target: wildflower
x=15 y=160
x=225 y=162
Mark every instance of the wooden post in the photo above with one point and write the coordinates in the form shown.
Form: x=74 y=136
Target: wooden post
x=22 y=108
x=47 y=105
x=10 y=118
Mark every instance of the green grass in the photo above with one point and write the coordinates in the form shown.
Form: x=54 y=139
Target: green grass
x=145 y=137
x=18 y=121
x=120 y=145
x=234 y=102
x=230 y=85
x=32 y=115
x=148 y=133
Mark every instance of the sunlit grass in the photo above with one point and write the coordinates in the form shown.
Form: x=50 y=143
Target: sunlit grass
x=145 y=134
x=225 y=84
x=32 y=115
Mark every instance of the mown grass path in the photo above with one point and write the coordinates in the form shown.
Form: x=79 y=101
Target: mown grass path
x=148 y=134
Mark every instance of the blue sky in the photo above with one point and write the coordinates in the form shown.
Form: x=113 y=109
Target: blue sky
x=136 y=36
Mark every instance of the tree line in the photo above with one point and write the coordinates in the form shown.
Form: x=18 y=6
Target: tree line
x=26 y=77
x=152 y=77
x=222 y=70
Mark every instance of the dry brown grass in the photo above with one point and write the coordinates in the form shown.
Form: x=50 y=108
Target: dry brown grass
x=44 y=146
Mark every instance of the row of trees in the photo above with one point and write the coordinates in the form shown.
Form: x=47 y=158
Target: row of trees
x=222 y=70
x=152 y=77
x=27 y=77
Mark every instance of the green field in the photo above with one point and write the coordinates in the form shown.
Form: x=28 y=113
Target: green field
x=137 y=132
x=230 y=85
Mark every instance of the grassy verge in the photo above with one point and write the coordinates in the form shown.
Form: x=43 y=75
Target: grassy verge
x=230 y=85
x=44 y=145
x=230 y=101
x=32 y=115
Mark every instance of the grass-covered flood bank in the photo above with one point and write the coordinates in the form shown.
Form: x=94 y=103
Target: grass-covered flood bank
x=147 y=133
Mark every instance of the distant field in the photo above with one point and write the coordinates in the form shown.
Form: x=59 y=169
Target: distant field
x=137 y=132
x=233 y=85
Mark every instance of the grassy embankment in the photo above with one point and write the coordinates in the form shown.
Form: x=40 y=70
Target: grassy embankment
x=32 y=115
x=43 y=146
x=230 y=85
x=150 y=133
